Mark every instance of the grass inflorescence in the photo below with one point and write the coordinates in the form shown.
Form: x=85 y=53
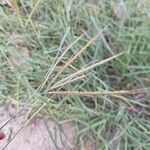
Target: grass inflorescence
x=83 y=62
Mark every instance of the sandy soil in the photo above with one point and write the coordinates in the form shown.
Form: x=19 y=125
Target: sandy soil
x=40 y=134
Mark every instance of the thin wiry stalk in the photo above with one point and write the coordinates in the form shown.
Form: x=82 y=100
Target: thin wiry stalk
x=49 y=72
x=13 y=137
x=75 y=93
x=70 y=77
x=59 y=59
x=61 y=44
x=74 y=75
x=40 y=108
x=18 y=14
x=29 y=18
x=29 y=101
x=85 y=70
x=68 y=81
x=34 y=114
x=22 y=128
x=79 y=53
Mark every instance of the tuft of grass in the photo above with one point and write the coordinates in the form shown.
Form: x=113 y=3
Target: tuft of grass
x=64 y=75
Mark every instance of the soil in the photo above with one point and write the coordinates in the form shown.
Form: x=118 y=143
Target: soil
x=41 y=133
